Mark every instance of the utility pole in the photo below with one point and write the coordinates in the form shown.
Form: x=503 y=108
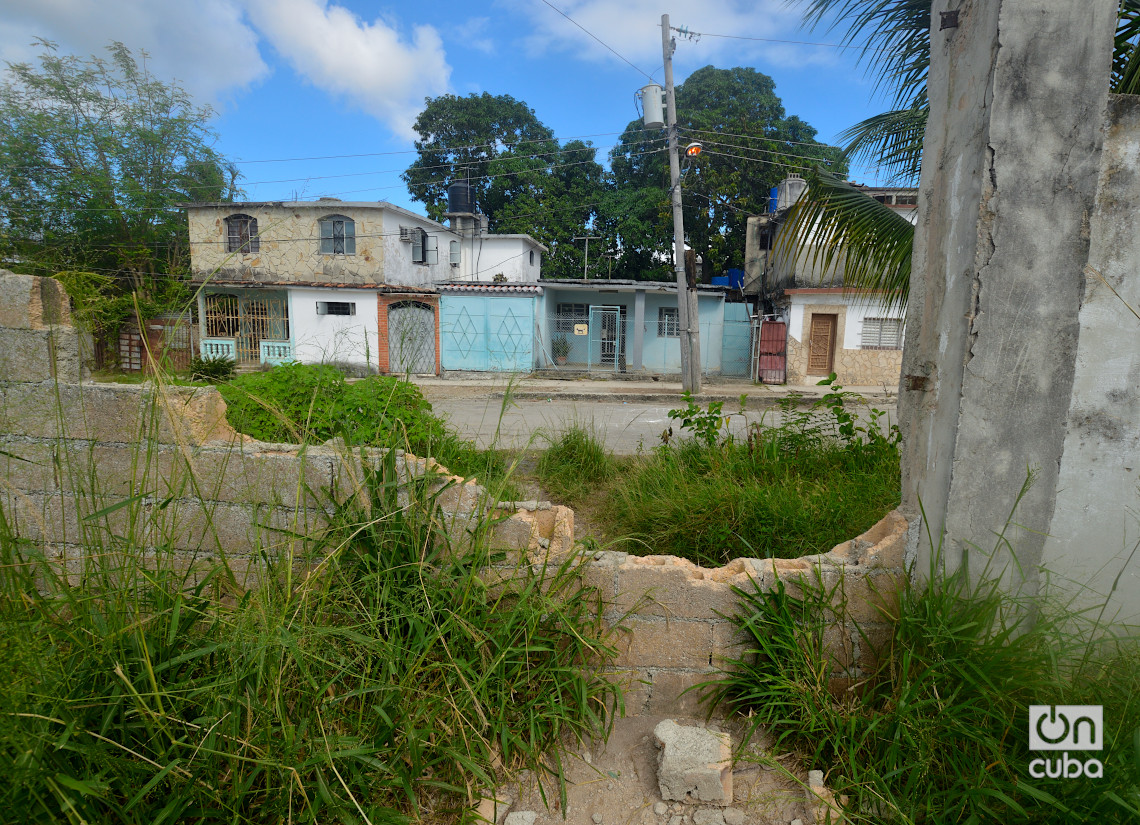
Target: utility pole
x=686 y=307
x=587 y=239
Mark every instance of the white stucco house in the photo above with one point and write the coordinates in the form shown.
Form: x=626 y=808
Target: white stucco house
x=338 y=281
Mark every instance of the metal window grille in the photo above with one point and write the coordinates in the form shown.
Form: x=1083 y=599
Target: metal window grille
x=338 y=235
x=567 y=315
x=336 y=307
x=881 y=333
x=241 y=234
x=668 y=325
x=222 y=319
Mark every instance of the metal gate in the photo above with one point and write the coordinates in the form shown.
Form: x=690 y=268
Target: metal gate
x=772 y=353
x=411 y=338
x=607 y=338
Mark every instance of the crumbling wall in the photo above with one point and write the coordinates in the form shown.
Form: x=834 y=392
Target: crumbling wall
x=84 y=462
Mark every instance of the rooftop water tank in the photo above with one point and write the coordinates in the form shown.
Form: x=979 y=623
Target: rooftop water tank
x=789 y=190
x=459 y=199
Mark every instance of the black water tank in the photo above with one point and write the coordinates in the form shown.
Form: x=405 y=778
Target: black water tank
x=459 y=198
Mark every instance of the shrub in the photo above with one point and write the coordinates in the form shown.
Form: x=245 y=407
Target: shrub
x=214 y=370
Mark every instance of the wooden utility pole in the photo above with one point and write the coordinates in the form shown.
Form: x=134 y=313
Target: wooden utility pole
x=688 y=317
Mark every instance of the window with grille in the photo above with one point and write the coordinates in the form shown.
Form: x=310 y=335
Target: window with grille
x=668 y=325
x=455 y=254
x=338 y=235
x=567 y=315
x=881 y=333
x=222 y=318
x=241 y=234
x=336 y=308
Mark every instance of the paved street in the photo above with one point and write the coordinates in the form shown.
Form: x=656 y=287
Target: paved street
x=625 y=413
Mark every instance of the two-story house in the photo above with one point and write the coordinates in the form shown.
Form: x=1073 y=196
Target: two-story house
x=338 y=282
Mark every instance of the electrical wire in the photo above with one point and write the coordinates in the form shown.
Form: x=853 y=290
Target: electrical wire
x=598 y=39
x=689 y=130
x=685 y=32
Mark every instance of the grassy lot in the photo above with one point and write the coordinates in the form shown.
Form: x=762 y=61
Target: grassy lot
x=390 y=682
x=799 y=488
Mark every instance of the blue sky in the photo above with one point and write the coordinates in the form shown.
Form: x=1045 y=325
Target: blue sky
x=309 y=79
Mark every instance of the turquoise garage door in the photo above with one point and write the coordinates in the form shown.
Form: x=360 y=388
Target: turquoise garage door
x=486 y=333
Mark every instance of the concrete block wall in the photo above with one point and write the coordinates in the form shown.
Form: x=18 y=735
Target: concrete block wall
x=83 y=462
x=676 y=614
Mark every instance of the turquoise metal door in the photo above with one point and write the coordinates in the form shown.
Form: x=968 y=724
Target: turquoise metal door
x=486 y=333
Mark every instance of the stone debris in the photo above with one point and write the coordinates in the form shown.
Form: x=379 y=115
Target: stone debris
x=706 y=816
x=821 y=802
x=676 y=820
x=661 y=809
x=521 y=818
x=597 y=819
x=695 y=764
x=733 y=816
x=491 y=808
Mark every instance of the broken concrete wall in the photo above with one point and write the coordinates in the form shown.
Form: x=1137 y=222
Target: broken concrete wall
x=83 y=463
x=1004 y=366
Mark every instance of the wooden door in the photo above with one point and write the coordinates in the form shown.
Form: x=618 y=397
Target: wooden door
x=821 y=344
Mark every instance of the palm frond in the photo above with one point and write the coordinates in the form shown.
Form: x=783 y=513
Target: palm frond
x=834 y=224
x=891 y=140
x=1126 y=50
x=894 y=36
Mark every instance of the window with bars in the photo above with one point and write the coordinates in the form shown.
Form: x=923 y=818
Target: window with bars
x=668 y=325
x=881 y=333
x=336 y=308
x=241 y=234
x=567 y=315
x=338 y=235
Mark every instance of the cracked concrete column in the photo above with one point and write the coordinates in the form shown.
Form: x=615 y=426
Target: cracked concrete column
x=1018 y=94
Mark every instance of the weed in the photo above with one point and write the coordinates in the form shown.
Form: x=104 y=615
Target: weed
x=575 y=463
x=938 y=731
x=376 y=677
x=212 y=370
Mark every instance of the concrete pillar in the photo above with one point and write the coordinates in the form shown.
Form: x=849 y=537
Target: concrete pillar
x=637 y=353
x=1018 y=92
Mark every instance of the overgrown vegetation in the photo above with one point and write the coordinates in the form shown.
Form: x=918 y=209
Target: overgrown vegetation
x=939 y=732
x=811 y=479
x=212 y=370
x=380 y=678
x=302 y=403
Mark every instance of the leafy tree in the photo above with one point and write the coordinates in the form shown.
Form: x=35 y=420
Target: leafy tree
x=522 y=179
x=94 y=156
x=750 y=145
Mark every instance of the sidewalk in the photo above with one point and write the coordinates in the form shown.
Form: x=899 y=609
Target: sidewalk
x=608 y=390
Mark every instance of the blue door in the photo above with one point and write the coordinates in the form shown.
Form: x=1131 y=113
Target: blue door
x=486 y=333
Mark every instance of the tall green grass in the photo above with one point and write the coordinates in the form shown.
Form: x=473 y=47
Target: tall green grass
x=372 y=677
x=797 y=485
x=938 y=733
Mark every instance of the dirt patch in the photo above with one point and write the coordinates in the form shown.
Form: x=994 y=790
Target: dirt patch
x=615 y=783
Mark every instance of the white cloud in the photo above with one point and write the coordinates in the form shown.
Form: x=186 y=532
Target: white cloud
x=633 y=29
x=205 y=44
x=369 y=64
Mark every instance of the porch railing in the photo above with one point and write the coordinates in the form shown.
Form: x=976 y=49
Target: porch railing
x=276 y=352
x=219 y=348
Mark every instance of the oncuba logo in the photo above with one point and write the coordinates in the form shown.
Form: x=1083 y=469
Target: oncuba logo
x=1066 y=728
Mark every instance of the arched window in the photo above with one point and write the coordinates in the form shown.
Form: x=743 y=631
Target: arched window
x=338 y=235
x=241 y=234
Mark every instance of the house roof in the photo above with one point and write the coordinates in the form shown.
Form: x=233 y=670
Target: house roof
x=386 y=289
x=607 y=285
x=517 y=289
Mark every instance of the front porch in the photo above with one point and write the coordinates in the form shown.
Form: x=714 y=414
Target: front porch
x=248 y=328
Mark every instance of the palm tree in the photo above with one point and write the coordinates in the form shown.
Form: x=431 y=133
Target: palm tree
x=835 y=221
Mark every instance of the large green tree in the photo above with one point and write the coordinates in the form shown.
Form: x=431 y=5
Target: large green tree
x=521 y=177
x=95 y=155
x=750 y=144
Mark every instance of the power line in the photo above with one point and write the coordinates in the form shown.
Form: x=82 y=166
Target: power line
x=764 y=151
x=816 y=144
x=598 y=39
x=685 y=32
